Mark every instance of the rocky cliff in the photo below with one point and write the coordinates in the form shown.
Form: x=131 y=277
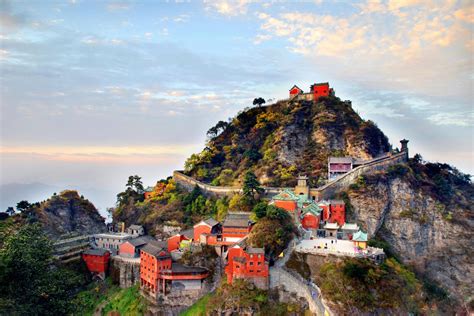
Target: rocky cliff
x=280 y=141
x=425 y=213
x=68 y=213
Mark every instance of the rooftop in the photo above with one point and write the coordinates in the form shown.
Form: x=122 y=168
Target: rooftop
x=312 y=208
x=331 y=226
x=113 y=235
x=210 y=221
x=178 y=268
x=340 y=160
x=350 y=226
x=95 y=252
x=135 y=226
x=155 y=247
x=252 y=250
x=360 y=236
x=188 y=233
x=139 y=241
x=237 y=220
x=285 y=195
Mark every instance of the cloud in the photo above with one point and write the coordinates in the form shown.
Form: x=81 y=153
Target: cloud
x=228 y=7
x=182 y=18
x=456 y=119
x=118 y=6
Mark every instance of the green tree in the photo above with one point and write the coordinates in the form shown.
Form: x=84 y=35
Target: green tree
x=251 y=185
x=10 y=211
x=23 y=206
x=30 y=284
x=260 y=210
x=258 y=101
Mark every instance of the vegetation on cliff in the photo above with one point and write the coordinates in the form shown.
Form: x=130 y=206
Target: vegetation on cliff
x=168 y=203
x=242 y=297
x=284 y=139
x=425 y=213
x=30 y=281
x=61 y=214
x=355 y=286
x=273 y=231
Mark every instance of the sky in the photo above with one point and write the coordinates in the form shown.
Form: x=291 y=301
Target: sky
x=94 y=91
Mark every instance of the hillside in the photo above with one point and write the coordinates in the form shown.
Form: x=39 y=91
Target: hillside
x=283 y=140
x=63 y=214
x=424 y=212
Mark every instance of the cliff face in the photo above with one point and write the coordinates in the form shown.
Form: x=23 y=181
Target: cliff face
x=427 y=231
x=69 y=213
x=285 y=139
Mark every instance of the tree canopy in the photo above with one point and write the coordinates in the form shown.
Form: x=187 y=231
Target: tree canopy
x=30 y=284
x=251 y=185
x=258 y=101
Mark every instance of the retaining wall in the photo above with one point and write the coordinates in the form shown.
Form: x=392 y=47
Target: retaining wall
x=327 y=191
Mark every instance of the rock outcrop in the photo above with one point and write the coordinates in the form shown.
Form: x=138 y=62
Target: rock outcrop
x=433 y=237
x=68 y=213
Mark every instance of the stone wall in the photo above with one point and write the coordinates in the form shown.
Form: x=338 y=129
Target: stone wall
x=328 y=190
x=281 y=278
x=325 y=192
x=126 y=270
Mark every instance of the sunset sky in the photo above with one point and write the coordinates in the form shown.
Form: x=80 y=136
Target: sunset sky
x=94 y=91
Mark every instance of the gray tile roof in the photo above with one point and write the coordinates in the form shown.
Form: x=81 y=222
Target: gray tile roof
x=340 y=159
x=155 y=247
x=178 y=268
x=237 y=220
x=95 y=252
x=188 y=233
x=255 y=250
x=135 y=226
x=211 y=222
x=142 y=240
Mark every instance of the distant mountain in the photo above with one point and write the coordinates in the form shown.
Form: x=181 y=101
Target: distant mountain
x=12 y=193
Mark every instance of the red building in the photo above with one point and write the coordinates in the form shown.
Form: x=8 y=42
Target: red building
x=175 y=241
x=247 y=263
x=286 y=200
x=157 y=271
x=338 y=212
x=235 y=227
x=154 y=258
x=324 y=205
x=320 y=90
x=97 y=261
x=131 y=248
x=205 y=228
x=310 y=216
x=295 y=91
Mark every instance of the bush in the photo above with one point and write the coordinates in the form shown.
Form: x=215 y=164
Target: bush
x=397 y=171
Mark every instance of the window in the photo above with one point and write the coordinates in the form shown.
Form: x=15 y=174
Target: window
x=251 y=263
x=250 y=270
x=259 y=263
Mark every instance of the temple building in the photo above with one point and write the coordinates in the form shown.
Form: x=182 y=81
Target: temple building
x=360 y=239
x=236 y=226
x=97 y=261
x=154 y=258
x=205 y=232
x=136 y=230
x=316 y=91
x=247 y=263
x=131 y=247
x=159 y=275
